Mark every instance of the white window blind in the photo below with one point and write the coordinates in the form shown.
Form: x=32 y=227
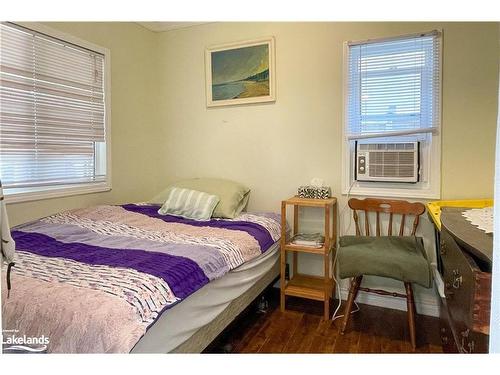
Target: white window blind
x=393 y=87
x=52 y=111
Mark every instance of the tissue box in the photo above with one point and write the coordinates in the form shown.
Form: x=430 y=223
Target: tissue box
x=321 y=192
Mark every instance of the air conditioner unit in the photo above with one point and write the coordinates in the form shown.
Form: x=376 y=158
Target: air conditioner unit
x=387 y=162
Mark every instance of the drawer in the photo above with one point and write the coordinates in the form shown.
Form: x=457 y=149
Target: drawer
x=467 y=288
x=458 y=277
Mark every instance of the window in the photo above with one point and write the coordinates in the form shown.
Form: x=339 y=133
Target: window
x=53 y=115
x=393 y=95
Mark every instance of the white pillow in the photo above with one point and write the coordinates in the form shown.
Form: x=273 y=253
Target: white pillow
x=190 y=204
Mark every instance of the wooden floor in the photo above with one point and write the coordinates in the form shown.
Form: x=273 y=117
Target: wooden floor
x=301 y=329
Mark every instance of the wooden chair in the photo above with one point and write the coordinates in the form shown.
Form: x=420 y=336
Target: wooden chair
x=399 y=257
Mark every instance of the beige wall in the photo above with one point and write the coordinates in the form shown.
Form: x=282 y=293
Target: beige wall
x=274 y=148
x=163 y=131
x=136 y=136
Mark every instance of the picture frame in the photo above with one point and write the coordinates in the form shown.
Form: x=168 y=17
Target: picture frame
x=241 y=73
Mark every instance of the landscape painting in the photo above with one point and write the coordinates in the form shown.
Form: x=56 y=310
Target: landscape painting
x=241 y=73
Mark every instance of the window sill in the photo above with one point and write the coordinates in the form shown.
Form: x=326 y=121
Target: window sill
x=51 y=192
x=381 y=190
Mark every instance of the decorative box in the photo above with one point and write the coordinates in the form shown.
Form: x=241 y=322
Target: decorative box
x=316 y=192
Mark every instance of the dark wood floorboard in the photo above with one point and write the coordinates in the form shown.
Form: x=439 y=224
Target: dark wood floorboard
x=301 y=329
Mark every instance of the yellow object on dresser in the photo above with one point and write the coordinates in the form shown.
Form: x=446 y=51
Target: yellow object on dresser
x=307 y=286
x=434 y=208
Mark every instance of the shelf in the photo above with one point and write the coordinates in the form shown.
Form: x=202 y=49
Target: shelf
x=308 y=249
x=310 y=202
x=306 y=286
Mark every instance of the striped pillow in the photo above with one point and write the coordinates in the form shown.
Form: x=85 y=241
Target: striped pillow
x=190 y=204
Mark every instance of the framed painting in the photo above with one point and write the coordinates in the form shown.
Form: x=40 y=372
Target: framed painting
x=240 y=73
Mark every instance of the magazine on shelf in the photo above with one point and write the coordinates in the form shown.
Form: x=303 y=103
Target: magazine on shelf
x=308 y=239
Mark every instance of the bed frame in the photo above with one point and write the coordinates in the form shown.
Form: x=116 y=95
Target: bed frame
x=205 y=335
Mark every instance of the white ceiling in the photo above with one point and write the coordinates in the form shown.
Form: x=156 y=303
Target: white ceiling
x=166 y=26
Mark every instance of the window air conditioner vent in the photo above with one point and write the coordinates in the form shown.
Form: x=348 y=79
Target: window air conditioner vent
x=387 y=162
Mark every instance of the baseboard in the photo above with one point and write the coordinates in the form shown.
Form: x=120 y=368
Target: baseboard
x=425 y=306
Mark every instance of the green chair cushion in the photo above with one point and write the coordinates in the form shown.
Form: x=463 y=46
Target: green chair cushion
x=400 y=258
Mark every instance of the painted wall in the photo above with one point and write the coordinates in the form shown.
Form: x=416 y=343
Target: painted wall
x=274 y=148
x=162 y=130
x=136 y=136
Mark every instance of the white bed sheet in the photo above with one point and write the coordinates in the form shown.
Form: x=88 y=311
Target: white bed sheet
x=179 y=323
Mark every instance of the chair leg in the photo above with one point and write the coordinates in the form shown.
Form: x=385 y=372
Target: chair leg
x=410 y=305
x=353 y=292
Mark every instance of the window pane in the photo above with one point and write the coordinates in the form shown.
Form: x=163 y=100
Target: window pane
x=393 y=85
x=52 y=112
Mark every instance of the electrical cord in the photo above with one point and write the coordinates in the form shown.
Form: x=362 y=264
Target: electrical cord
x=335 y=316
x=345 y=207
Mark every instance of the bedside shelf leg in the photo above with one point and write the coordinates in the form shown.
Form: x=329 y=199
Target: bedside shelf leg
x=326 y=312
x=295 y=231
x=283 y=257
x=282 y=281
x=326 y=262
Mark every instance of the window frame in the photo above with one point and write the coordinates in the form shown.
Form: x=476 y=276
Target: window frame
x=431 y=155
x=57 y=191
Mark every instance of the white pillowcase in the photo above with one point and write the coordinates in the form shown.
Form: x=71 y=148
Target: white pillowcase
x=189 y=204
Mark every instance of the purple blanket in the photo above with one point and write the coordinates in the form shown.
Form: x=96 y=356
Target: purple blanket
x=129 y=259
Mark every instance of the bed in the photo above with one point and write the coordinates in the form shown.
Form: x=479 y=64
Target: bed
x=119 y=279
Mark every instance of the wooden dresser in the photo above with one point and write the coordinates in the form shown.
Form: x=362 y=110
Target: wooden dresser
x=466 y=254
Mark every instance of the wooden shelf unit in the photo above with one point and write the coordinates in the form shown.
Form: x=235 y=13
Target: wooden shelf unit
x=307 y=286
x=318 y=288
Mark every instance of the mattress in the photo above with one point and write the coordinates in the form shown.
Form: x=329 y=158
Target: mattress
x=182 y=321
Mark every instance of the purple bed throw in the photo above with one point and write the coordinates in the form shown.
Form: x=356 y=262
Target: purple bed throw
x=94 y=280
